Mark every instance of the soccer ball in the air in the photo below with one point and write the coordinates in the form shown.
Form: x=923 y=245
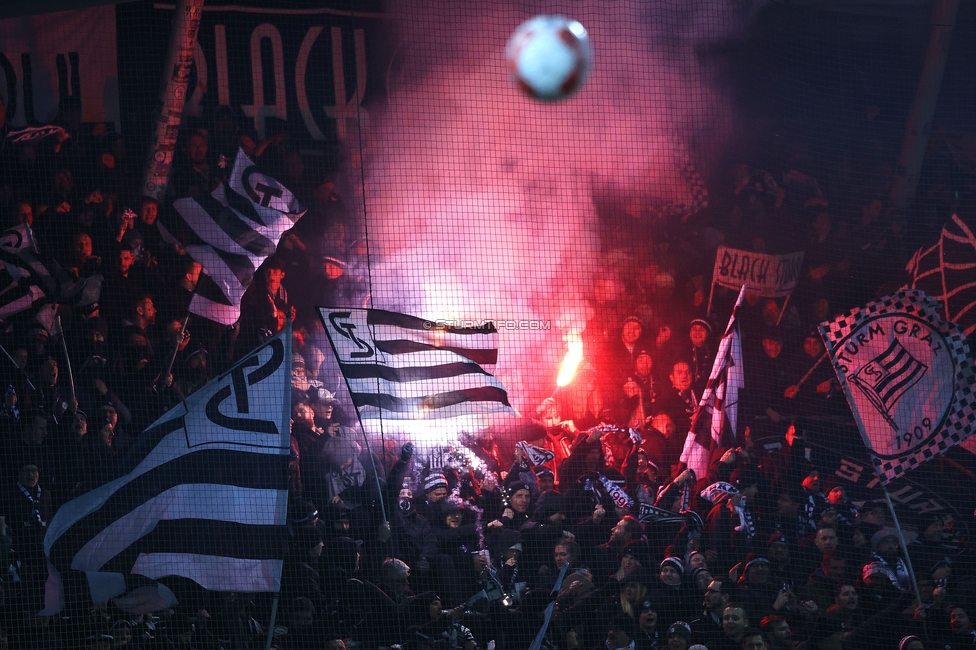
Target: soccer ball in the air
x=549 y=56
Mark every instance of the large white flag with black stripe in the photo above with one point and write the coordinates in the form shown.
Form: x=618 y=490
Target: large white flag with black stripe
x=204 y=495
x=406 y=368
x=230 y=233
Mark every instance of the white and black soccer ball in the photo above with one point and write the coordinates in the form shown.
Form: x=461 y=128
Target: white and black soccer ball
x=549 y=57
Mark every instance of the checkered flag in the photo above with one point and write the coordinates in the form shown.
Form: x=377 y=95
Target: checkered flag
x=908 y=376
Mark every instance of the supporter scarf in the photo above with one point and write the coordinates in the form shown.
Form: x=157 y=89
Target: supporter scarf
x=35 y=506
x=746 y=524
x=620 y=498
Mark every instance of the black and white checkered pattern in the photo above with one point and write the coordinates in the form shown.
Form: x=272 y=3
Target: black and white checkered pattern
x=697 y=191
x=960 y=422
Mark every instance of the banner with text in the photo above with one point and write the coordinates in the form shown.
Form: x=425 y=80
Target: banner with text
x=286 y=67
x=771 y=276
x=47 y=58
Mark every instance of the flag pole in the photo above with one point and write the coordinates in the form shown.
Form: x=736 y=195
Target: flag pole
x=30 y=384
x=884 y=488
x=709 y=384
x=67 y=361
x=901 y=541
x=782 y=310
x=271 y=623
x=384 y=532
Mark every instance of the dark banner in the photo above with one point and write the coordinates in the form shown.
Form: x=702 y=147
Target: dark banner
x=310 y=72
x=942 y=486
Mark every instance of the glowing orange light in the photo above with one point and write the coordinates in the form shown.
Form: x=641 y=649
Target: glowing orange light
x=572 y=360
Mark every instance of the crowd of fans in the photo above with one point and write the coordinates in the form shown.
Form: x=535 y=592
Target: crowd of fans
x=387 y=549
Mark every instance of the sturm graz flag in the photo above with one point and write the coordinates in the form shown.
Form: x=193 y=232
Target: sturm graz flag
x=204 y=496
x=402 y=367
x=908 y=375
x=231 y=232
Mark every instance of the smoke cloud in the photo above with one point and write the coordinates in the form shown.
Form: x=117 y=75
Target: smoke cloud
x=481 y=203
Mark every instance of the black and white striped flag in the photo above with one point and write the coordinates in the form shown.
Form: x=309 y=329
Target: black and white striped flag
x=33 y=280
x=718 y=410
x=204 y=497
x=405 y=368
x=230 y=233
x=28 y=281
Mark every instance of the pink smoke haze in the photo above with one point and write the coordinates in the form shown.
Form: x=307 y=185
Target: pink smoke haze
x=480 y=201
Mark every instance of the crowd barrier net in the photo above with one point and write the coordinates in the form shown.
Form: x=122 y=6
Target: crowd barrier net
x=415 y=324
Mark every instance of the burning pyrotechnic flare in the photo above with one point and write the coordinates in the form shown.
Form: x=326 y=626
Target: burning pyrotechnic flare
x=572 y=360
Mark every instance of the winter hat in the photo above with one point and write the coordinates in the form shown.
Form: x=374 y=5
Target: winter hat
x=444 y=507
x=752 y=559
x=681 y=629
x=719 y=491
x=434 y=481
x=306 y=537
x=550 y=503
x=693 y=554
x=882 y=534
x=645 y=605
x=640 y=551
x=301 y=512
x=906 y=640
x=696 y=572
x=674 y=562
x=776 y=538
x=700 y=321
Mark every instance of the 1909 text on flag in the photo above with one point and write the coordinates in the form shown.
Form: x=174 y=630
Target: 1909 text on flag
x=204 y=497
x=908 y=376
x=406 y=368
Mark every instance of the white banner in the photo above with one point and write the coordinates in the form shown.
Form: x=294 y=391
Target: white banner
x=771 y=276
x=48 y=56
x=908 y=376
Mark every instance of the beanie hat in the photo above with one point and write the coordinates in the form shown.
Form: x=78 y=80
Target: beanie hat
x=906 y=640
x=753 y=559
x=701 y=321
x=674 y=562
x=434 y=481
x=681 y=629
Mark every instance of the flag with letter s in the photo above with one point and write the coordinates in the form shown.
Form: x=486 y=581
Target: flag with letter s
x=908 y=376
